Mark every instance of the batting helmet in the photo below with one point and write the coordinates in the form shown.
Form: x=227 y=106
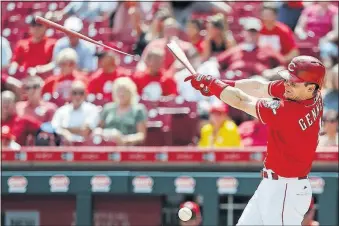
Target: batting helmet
x=305 y=69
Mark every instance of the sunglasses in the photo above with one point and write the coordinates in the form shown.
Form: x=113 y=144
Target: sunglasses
x=76 y=93
x=35 y=86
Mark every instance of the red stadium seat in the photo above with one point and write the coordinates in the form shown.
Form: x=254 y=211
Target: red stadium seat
x=184 y=119
x=158 y=129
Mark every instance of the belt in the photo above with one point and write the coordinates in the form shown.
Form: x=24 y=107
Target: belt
x=275 y=176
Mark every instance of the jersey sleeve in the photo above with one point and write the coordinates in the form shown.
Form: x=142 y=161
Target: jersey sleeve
x=276 y=89
x=270 y=112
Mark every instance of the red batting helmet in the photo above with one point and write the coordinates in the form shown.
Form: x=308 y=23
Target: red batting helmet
x=305 y=69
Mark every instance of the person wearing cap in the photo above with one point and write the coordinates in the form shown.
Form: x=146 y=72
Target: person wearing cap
x=34 y=106
x=85 y=50
x=196 y=219
x=292 y=108
x=276 y=34
x=249 y=57
x=8 y=139
x=67 y=62
x=76 y=120
x=218 y=38
x=330 y=129
x=21 y=127
x=221 y=131
x=101 y=81
x=35 y=53
x=154 y=82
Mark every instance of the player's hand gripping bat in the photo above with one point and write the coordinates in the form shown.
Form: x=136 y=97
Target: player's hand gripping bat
x=59 y=27
x=180 y=55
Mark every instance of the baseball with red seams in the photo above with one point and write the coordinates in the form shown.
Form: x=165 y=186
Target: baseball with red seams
x=185 y=214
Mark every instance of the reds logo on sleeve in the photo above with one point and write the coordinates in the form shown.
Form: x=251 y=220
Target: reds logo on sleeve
x=272 y=104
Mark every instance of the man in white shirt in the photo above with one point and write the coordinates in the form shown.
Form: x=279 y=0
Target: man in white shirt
x=76 y=120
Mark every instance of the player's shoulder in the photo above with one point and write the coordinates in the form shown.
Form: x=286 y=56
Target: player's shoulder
x=95 y=75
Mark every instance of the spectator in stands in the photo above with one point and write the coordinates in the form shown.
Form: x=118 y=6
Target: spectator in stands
x=91 y=10
x=11 y=83
x=21 y=127
x=146 y=34
x=321 y=19
x=35 y=107
x=171 y=32
x=76 y=120
x=193 y=29
x=154 y=82
x=196 y=218
x=101 y=81
x=218 y=38
x=330 y=126
x=35 y=53
x=85 y=50
x=8 y=139
x=275 y=34
x=6 y=52
x=309 y=216
x=124 y=120
x=221 y=131
x=248 y=57
x=253 y=133
x=67 y=61
x=289 y=13
x=331 y=98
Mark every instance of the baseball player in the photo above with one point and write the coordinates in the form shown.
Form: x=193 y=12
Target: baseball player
x=292 y=108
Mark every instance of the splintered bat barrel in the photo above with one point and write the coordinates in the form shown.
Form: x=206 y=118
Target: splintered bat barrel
x=69 y=32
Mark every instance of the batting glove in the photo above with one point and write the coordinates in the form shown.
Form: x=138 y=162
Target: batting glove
x=206 y=84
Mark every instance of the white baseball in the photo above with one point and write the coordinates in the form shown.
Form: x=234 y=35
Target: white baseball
x=185 y=214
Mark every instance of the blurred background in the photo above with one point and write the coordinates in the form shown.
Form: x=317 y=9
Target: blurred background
x=80 y=119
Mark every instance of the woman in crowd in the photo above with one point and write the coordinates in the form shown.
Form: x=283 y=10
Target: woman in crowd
x=218 y=37
x=123 y=121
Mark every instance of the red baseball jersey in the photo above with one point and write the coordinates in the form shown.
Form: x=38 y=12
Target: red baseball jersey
x=293 y=131
x=30 y=54
x=21 y=127
x=101 y=82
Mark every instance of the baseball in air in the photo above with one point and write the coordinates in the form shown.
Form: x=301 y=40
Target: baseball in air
x=185 y=214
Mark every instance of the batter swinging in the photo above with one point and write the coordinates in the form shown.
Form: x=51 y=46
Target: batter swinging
x=292 y=108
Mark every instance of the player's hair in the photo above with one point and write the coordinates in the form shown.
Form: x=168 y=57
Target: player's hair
x=129 y=85
x=67 y=54
x=316 y=87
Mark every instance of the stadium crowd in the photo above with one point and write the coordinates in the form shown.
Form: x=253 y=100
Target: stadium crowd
x=60 y=90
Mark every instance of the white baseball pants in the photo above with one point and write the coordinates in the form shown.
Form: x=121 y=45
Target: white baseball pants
x=278 y=202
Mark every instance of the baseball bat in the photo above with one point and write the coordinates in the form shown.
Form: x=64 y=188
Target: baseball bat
x=180 y=55
x=56 y=26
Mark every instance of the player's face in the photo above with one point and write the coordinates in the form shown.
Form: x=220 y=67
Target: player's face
x=251 y=36
x=78 y=96
x=297 y=91
x=33 y=90
x=212 y=30
x=67 y=67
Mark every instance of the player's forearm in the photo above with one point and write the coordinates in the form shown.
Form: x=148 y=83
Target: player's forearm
x=251 y=87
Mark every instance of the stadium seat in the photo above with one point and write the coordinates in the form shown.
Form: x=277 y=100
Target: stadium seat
x=159 y=131
x=184 y=119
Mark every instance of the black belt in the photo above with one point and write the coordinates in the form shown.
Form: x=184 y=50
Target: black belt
x=276 y=176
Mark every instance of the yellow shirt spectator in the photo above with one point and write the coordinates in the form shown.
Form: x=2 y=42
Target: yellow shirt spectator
x=226 y=136
x=220 y=132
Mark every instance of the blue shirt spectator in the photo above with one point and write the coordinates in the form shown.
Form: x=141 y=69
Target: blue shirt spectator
x=6 y=52
x=85 y=51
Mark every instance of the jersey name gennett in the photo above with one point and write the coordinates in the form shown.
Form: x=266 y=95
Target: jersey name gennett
x=311 y=116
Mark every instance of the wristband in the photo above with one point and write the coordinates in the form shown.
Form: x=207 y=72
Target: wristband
x=217 y=86
x=229 y=82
